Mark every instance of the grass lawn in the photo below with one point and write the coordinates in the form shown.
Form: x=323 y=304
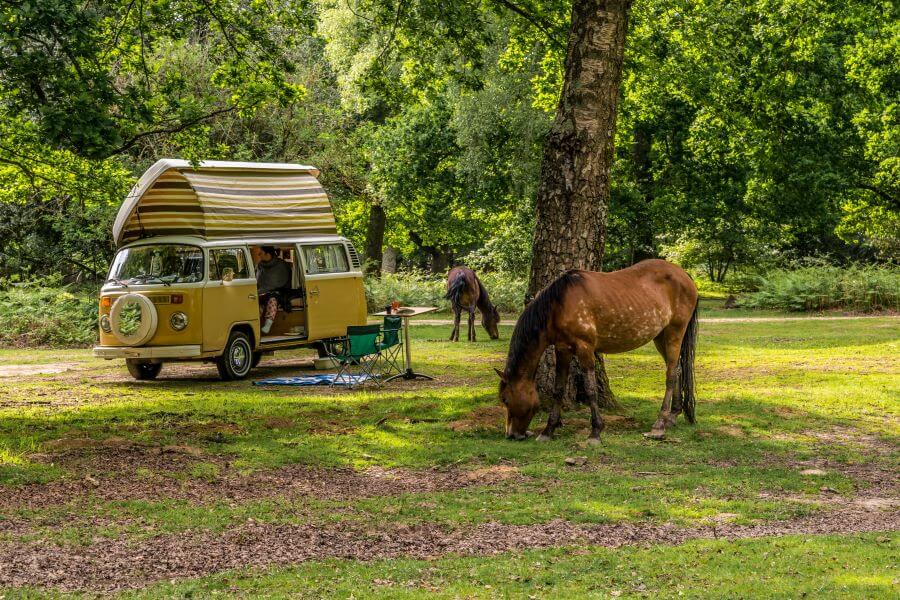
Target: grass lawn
x=795 y=418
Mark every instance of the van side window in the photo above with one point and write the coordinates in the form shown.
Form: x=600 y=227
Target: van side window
x=325 y=258
x=221 y=259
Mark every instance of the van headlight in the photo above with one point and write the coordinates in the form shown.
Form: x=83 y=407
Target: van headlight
x=178 y=321
x=105 y=325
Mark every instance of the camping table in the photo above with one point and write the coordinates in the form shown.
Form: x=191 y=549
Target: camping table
x=405 y=312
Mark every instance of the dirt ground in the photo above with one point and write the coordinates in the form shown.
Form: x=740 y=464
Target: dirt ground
x=110 y=565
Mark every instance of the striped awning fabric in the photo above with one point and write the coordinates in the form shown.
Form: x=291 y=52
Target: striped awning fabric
x=225 y=200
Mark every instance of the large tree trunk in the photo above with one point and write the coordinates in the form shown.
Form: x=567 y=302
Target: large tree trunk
x=572 y=199
x=389 y=260
x=375 y=239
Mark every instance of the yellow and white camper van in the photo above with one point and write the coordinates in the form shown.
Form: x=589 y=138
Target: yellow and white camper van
x=183 y=283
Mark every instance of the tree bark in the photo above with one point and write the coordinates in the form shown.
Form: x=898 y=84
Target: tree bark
x=573 y=195
x=375 y=239
x=389 y=260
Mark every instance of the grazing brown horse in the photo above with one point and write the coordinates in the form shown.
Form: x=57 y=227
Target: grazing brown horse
x=584 y=313
x=466 y=292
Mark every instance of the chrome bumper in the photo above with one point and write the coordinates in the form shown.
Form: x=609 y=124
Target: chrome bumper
x=109 y=352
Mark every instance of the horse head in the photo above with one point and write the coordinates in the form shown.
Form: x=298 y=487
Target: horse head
x=490 y=320
x=519 y=397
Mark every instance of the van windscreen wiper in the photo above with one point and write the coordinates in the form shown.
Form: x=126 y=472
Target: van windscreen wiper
x=115 y=280
x=147 y=277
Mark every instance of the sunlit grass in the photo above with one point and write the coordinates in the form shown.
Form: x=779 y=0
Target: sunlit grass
x=770 y=394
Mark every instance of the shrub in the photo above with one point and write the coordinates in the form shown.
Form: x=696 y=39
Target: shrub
x=45 y=313
x=413 y=288
x=821 y=287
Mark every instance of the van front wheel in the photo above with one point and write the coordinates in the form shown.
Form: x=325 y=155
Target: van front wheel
x=142 y=370
x=237 y=359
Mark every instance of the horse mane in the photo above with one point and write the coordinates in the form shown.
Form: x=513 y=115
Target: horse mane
x=484 y=301
x=535 y=318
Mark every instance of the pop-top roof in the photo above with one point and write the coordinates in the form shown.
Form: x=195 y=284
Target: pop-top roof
x=222 y=199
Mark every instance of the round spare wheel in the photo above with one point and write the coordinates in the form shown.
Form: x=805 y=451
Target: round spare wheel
x=133 y=319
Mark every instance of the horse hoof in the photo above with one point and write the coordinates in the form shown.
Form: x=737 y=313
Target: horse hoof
x=655 y=434
x=543 y=438
x=594 y=441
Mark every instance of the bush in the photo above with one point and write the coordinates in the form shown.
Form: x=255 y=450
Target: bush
x=412 y=288
x=821 y=287
x=45 y=313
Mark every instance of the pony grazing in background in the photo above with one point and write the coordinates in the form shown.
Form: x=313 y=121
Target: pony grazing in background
x=583 y=313
x=466 y=292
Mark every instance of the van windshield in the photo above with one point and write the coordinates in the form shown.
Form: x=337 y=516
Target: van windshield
x=163 y=263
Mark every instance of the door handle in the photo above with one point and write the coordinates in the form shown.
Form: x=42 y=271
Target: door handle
x=314 y=292
x=251 y=296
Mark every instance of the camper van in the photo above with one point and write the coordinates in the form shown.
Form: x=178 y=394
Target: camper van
x=183 y=286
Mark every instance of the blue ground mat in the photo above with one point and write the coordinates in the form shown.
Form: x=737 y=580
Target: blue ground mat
x=324 y=379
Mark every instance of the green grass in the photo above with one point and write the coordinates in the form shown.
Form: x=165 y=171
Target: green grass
x=770 y=394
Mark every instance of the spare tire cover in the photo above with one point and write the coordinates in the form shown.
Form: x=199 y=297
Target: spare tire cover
x=133 y=319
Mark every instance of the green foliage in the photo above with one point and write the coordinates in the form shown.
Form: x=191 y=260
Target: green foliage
x=95 y=77
x=413 y=288
x=748 y=129
x=750 y=133
x=822 y=287
x=45 y=313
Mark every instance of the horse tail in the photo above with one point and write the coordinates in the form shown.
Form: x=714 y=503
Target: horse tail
x=686 y=363
x=455 y=288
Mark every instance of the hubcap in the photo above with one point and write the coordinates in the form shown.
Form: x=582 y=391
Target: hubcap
x=239 y=357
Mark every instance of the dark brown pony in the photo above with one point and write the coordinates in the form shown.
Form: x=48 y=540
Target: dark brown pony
x=466 y=292
x=584 y=313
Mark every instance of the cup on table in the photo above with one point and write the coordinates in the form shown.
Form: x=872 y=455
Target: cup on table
x=395 y=305
x=387 y=309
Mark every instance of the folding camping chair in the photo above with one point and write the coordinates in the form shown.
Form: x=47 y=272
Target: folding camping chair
x=391 y=345
x=357 y=351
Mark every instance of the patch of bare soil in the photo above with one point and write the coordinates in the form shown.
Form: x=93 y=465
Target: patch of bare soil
x=483 y=418
x=165 y=481
x=110 y=565
x=37 y=369
x=848 y=436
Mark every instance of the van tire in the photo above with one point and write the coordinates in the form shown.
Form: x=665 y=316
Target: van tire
x=142 y=370
x=237 y=358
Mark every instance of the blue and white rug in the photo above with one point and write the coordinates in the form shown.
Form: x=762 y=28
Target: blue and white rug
x=324 y=379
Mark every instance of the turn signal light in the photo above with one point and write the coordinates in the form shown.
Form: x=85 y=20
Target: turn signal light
x=177 y=298
x=105 y=302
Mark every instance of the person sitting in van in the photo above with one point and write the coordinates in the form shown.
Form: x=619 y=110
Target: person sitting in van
x=273 y=275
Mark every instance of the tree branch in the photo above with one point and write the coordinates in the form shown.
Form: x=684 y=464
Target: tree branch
x=169 y=130
x=537 y=22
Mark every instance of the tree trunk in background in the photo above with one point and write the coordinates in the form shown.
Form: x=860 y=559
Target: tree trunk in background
x=571 y=207
x=389 y=260
x=375 y=239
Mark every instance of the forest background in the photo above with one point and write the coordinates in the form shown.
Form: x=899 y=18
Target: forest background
x=752 y=135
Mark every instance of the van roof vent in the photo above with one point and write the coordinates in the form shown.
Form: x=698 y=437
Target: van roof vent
x=354 y=256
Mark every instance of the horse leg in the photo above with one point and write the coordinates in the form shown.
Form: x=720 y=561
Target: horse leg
x=457 y=313
x=563 y=362
x=586 y=359
x=472 y=323
x=668 y=343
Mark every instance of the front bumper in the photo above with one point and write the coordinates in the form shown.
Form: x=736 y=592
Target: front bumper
x=109 y=352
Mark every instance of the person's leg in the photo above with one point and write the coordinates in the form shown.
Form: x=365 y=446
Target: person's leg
x=269 y=314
